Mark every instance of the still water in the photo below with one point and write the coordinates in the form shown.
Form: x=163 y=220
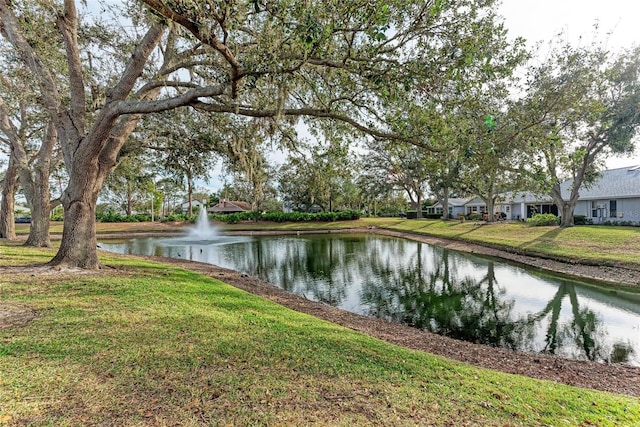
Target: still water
x=446 y=292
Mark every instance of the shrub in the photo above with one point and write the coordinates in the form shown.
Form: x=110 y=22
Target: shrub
x=432 y=216
x=540 y=220
x=414 y=215
x=117 y=217
x=178 y=217
x=579 y=220
x=309 y=217
x=233 y=218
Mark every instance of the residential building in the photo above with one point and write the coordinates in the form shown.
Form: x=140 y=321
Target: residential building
x=228 y=207
x=614 y=197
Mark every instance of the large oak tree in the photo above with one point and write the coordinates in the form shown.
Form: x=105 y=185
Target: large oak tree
x=326 y=59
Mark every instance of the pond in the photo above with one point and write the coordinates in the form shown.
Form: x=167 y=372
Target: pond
x=450 y=293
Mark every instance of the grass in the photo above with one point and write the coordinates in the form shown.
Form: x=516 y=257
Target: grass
x=143 y=343
x=600 y=245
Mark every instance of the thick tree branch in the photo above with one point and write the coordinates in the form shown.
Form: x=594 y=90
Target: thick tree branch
x=208 y=39
x=68 y=26
x=136 y=63
x=10 y=29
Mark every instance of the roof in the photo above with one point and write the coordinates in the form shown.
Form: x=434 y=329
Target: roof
x=454 y=201
x=226 y=206
x=527 y=197
x=613 y=184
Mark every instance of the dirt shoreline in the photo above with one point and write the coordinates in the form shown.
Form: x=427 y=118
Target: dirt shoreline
x=617 y=378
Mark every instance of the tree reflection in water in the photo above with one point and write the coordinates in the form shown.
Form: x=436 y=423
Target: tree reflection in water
x=434 y=299
x=476 y=309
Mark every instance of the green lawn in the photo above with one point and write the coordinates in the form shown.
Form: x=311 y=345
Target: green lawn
x=141 y=343
x=600 y=245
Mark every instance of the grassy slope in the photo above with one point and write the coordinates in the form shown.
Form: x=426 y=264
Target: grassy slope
x=591 y=244
x=147 y=344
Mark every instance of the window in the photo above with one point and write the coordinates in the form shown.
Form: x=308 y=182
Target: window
x=594 y=209
x=613 y=208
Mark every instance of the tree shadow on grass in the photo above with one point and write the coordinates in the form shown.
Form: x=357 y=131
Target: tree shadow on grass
x=548 y=237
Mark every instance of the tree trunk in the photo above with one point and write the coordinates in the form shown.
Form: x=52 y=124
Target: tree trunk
x=78 y=247
x=445 y=204
x=40 y=211
x=7 y=206
x=565 y=207
x=419 y=207
x=190 y=192
x=490 y=202
x=412 y=201
x=129 y=199
x=79 y=243
x=35 y=184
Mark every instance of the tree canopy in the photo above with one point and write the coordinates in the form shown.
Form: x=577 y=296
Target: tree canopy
x=425 y=82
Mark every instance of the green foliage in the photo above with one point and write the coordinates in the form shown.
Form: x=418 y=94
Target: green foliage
x=235 y=218
x=581 y=220
x=431 y=216
x=347 y=215
x=57 y=215
x=425 y=215
x=111 y=216
x=621 y=223
x=179 y=217
x=541 y=220
x=586 y=94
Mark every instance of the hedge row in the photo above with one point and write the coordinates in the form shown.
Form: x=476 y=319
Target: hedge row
x=288 y=216
x=425 y=215
x=539 y=220
x=116 y=217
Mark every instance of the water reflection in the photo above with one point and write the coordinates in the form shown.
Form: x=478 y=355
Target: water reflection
x=431 y=288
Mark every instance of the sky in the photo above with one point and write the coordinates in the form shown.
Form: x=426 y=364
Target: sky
x=542 y=20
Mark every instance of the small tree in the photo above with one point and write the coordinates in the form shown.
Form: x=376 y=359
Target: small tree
x=403 y=167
